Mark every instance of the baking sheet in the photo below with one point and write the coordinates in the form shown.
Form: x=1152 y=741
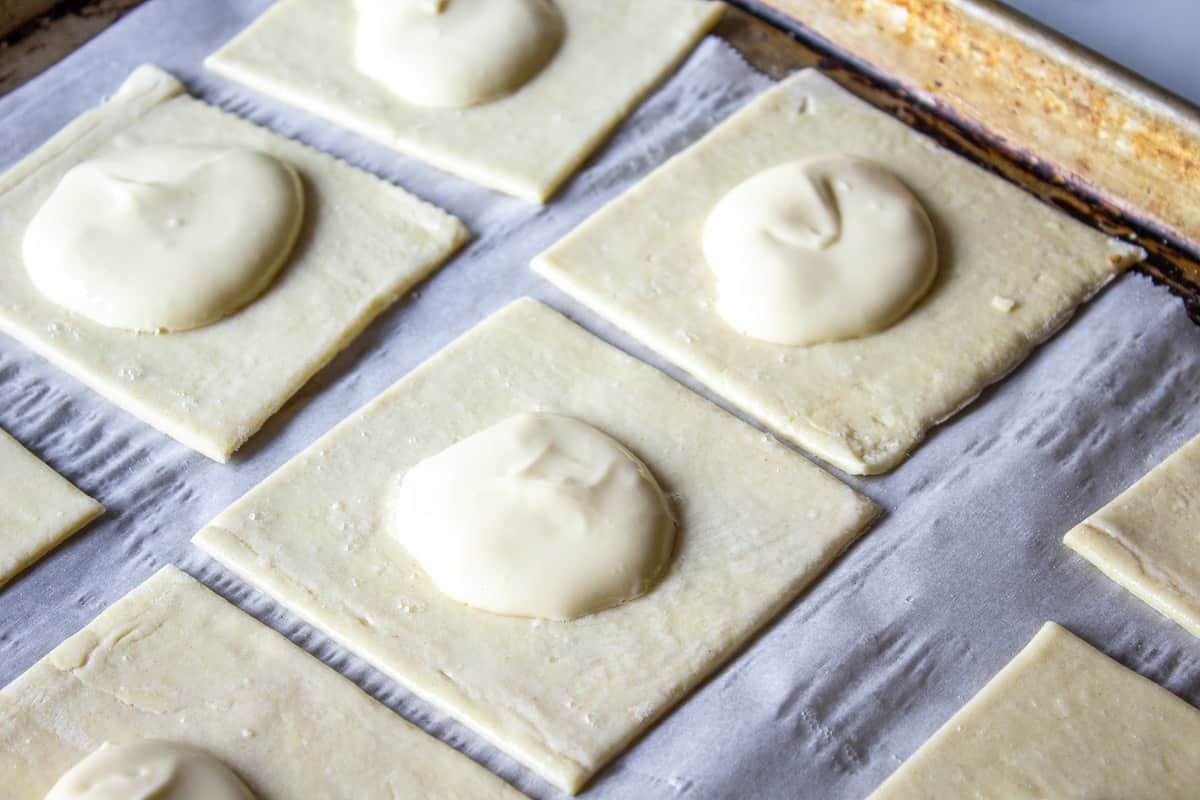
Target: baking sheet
x=964 y=567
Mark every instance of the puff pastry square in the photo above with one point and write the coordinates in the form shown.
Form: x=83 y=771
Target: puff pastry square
x=758 y=523
x=861 y=404
x=171 y=660
x=1148 y=538
x=526 y=144
x=41 y=508
x=363 y=244
x=1060 y=720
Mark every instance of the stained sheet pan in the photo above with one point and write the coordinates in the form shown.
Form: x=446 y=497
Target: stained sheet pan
x=960 y=572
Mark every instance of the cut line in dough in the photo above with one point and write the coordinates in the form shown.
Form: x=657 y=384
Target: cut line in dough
x=1147 y=539
x=213 y=387
x=756 y=525
x=173 y=661
x=1060 y=720
x=863 y=404
x=41 y=509
x=526 y=144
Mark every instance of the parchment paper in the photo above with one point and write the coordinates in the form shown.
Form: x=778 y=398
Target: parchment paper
x=960 y=573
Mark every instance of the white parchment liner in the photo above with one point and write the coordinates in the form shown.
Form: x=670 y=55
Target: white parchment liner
x=958 y=575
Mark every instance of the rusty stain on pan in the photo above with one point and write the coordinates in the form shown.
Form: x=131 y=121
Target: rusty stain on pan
x=1071 y=128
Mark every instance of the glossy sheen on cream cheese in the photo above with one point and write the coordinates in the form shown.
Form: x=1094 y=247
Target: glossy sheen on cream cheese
x=455 y=53
x=150 y=770
x=819 y=250
x=164 y=238
x=539 y=515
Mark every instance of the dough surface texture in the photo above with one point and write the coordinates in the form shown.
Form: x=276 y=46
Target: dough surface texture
x=527 y=143
x=1148 y=538
x=41 y=508
x=149 y=770
x=1061 y=720
x=363 y=243
x=819 y=250
x=164 y=238
x=539 y=515
x=455 y=53
x=173 y=661
x=862 y=404
x=756 y=525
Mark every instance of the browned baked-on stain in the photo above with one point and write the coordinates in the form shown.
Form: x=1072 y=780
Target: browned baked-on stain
x=1078 y=132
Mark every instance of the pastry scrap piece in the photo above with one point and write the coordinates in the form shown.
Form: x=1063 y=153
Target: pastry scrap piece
x=1148 y=538
x=1060 y=720
x=862 y=403
x=525 y=143
x=363 y=243
x=172 y=661
x=756 y=525
x=41 y=508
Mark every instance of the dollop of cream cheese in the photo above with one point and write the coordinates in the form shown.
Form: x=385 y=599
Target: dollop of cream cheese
x=819 y=250
x=455 y=53
x=164 y=238
x=150 y=770
x=540 y=515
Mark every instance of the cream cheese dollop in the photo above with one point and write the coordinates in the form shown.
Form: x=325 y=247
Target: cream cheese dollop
x=164 y=238
x=455 y=53
x=540 y=515
x=819 y=250
x=150 y=770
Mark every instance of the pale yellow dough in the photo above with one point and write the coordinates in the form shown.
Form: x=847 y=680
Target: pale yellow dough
x=862 y=404
x=526 y=143
x=1148 y=538
x=173 y=661
x=757 y=524
x=40 y=508
x=1061 y=720
x=364 y=242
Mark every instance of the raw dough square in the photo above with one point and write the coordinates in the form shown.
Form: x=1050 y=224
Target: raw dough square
x=364 y=243
x=758 y=523
x=862 y=404
x=527 y=144
x=41 y=508
x=171 y=660
x=1148 y=538
x=1060 y=720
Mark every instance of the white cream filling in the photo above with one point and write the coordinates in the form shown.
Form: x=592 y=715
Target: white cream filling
x=164 y=238
x=149 y=770
x=455 y=53
x=539 y=515
x=819 y=250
